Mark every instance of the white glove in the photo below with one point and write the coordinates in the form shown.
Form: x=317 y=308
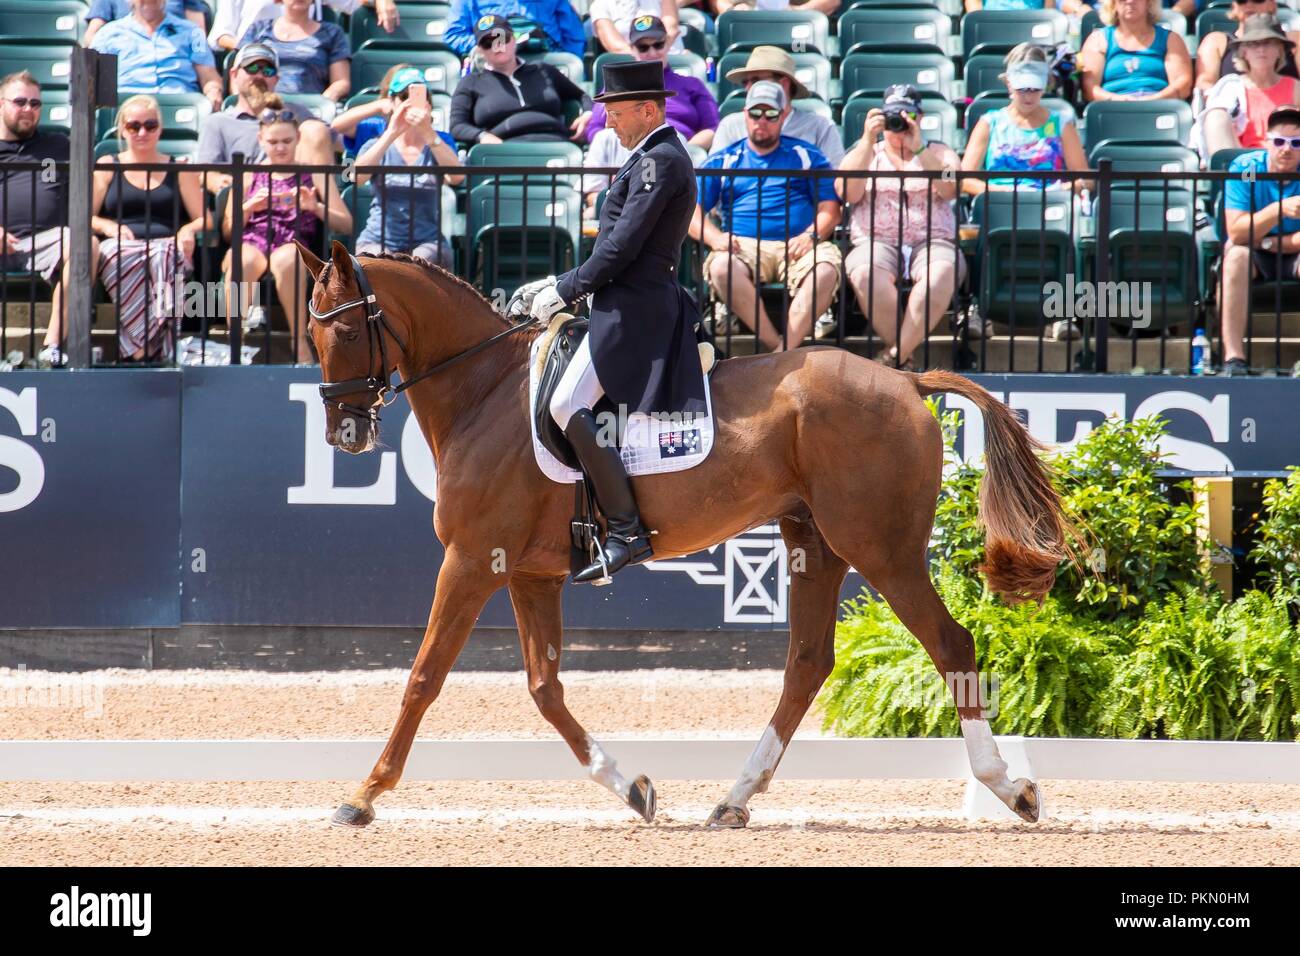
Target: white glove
x=546 y=304
x=522 y=300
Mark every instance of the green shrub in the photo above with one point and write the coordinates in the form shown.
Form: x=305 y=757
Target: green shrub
x=1278 y=545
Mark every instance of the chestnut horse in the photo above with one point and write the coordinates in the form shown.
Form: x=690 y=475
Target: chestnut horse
x=842 y=451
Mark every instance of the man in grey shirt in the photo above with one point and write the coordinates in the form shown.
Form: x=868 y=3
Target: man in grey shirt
x=773 y=63
x=234 y=129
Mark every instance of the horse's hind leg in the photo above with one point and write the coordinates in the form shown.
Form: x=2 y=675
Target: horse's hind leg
x=537 y=612
x=952 y=649
x=816 y=574
x=463 y=588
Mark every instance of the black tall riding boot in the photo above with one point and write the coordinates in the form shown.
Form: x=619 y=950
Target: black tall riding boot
x=626 y=541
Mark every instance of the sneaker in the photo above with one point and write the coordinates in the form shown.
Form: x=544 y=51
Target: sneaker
x=974 y=324
x=826 y=327
x=255 y=320
x=721 y=321
x=1234 y=366
x=52 y=357
x=1066 y=329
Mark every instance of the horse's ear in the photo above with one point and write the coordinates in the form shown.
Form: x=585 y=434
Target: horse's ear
x=342 y=261
x=313 y=264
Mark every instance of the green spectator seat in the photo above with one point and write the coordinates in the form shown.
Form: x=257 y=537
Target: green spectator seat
x=952 y=9
x=441 y=66
x=797 y=30
x=532 y=155
x=938 y=122
x=56 y=113
x=420 y=21
x=873 y=29
x=50 y=63
x=1136 y=121
x=1167 y=158
x=518 y=235
x=1214 y=19
x=1170 y=19
x=567 y=63
x=186 y=147
x=1219 y=162
x=812 y=69
x=1153 y=240
x=687 y=64
x=39 y=20
x=697 y=31
x=1000 y=30
x=182 y=113
x=874 y=72
x=982 y=73
x=1026 y=241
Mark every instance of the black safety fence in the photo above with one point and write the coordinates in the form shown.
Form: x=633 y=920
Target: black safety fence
x=1019 y=271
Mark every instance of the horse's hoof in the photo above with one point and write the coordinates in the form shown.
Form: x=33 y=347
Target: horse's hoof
x=1027 y=804
x=728 y=817
x=349 y=816
x=641 y=798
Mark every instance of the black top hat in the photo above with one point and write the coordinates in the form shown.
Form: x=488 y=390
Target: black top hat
x=633 y=81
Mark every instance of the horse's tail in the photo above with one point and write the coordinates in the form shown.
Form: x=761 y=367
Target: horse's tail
x=1025 y=528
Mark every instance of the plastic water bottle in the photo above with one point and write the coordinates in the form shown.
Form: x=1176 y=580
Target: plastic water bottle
x=711 y=69
x=1200 y=353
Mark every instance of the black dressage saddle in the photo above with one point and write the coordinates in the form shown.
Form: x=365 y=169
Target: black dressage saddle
x=558 y=356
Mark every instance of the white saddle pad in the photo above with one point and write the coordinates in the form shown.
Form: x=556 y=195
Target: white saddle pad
x=650 y=446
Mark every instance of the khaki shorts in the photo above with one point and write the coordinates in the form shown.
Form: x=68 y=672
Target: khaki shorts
x=886 y=257
x=772 y=265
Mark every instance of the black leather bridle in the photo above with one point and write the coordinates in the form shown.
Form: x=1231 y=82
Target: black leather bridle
x=378 y=385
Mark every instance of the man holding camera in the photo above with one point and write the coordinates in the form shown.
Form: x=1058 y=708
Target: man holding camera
x=773 y=228
x=925 y=250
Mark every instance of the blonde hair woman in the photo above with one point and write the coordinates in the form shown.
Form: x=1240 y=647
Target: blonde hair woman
x=1212 y=63
x=148 y=222
x=1134 y=58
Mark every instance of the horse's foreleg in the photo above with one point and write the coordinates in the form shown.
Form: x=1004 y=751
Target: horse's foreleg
x=816 y=574
x=462 y=590
x=537 y=612
x=952 y=649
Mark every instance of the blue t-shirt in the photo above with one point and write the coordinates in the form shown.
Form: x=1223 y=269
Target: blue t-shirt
x=737 y=198
x=161 y=62
x=117 y=9
x=304 y=64
x=369 y=128
x=557 y=18
x=407 y=209
x=1237 y=192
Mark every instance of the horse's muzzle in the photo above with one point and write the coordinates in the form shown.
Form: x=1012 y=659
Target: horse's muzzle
x=352 y=434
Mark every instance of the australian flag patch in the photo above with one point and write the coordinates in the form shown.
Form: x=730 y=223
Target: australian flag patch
x=679 y=444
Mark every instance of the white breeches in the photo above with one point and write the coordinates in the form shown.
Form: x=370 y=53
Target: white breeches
x=578 y=386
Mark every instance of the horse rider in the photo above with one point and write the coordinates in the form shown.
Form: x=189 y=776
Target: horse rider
x=641 y=348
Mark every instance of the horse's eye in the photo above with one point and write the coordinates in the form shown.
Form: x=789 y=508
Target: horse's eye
x=349 y=334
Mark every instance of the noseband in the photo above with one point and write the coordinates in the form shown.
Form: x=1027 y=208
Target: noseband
x=377 y=384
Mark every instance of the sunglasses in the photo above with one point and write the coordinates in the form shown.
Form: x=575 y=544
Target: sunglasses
x=1285 y=142
x=276 y=116
x=265 y=69
x=763 y=112
x=134 y=126
x=647 y=47
x=23 y=102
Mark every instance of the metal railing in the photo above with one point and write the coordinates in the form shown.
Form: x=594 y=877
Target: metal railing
x=1112 y=271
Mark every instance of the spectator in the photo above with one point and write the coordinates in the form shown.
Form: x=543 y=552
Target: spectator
x=314 y=57
x=1211 y=63
x=1024 y=134
x=105 y=11
x=364 y=122
x=693 y=111
x=279 y=208
x=973 y=5
x=511 y=99
x=605 y=152
x=234 y=17
x=554 y=24
x=160 y=53
x=612 y=22
x=253 y=77
x=774 y=64
x=774 y=232
x=926 y=251
x=148 y=223
x=828 y=7
x=1238 y=106
x=406 y=213
x=34 y=234
x=1267 y=212
x=1134 y=58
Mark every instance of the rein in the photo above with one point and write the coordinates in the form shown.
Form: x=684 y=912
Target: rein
x=378 y=385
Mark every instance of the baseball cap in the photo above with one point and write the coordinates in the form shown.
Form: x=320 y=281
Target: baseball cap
x=765 y=93
x=646 y=27
x=492 y=23
x=404 y=78
x=1285 y=114
x=256 y=53
x=1028 y=75
x=902 y=96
